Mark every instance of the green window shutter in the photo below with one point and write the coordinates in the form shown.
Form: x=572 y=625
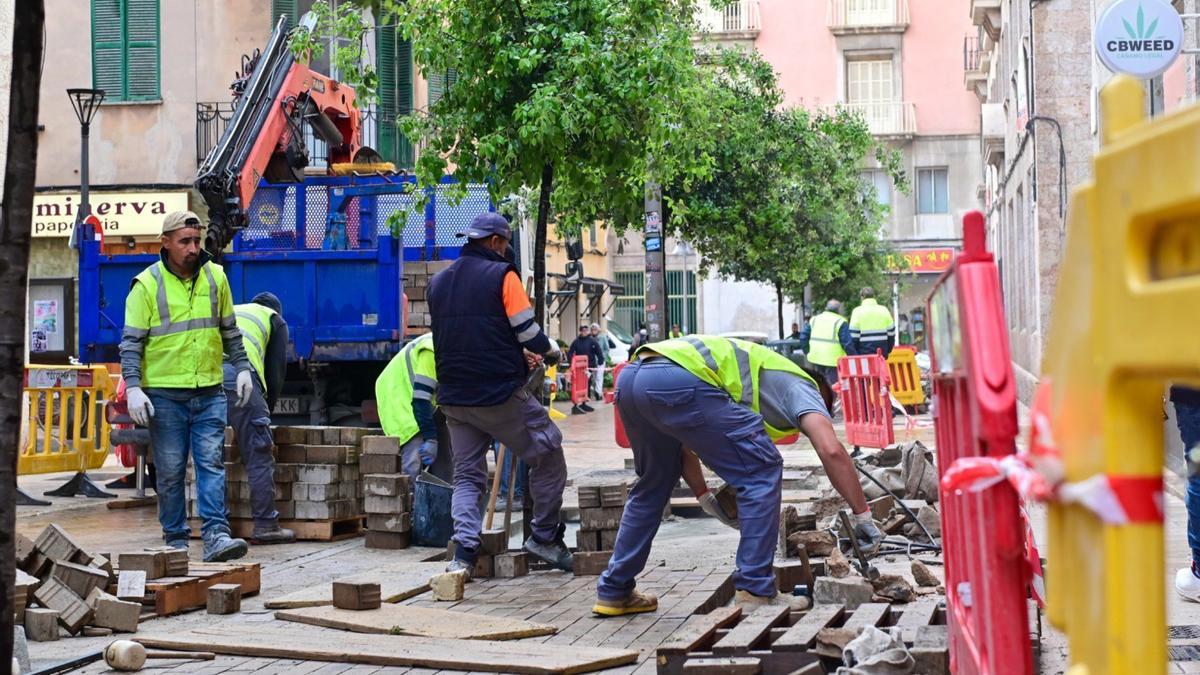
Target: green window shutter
x=108 y=48
x=142 y=68
x=437 y=84
x=394 y=65
x=282 y=8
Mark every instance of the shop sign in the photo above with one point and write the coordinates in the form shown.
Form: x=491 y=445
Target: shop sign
x=1141 y=38
x=921 y=260
x=120 y=213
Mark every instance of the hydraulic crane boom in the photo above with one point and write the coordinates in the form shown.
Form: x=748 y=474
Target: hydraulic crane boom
x=275 y=97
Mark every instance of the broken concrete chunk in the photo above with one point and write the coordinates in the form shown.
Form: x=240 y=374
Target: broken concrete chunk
x=836 y=565
x=851 y=592
x=893 y=588
x=831 y=641
x=817 y=543
x=448 y=586
x=923 y=576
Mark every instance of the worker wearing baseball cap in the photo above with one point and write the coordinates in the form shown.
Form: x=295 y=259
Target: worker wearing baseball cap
x=485 y=340
x=179 y=320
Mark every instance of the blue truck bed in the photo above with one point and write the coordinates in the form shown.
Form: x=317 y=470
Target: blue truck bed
x=340 y=285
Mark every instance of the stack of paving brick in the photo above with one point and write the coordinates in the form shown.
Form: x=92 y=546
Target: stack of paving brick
x=387 y=493
x=600 y=511
x=316 y=480
x=417 y=275
x=61 y=585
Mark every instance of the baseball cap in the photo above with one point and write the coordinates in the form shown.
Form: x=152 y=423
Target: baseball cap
x=269 y=300
x=178 y=220
x=485 y=225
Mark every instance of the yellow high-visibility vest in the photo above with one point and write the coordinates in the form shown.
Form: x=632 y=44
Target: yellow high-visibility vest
x=824 y=343
x=254 y=321
x=394 y=391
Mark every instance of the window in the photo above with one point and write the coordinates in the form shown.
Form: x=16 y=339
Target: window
x=439 y=83
x=630 y=309
x=933 y=191
x=286 y=8
x=125 y=58
x=879 y=184
x=592 y=235
x=681 y=300
x=870 y=81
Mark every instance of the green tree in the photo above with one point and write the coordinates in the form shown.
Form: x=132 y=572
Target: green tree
x=575 y=98
x=784 y=203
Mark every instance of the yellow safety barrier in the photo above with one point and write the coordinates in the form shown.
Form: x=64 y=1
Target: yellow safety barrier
x=906 y=377
x=63 y=419
x=1128 y=288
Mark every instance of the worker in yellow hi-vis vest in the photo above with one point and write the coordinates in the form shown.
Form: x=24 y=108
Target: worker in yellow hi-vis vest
x=265 y=336
x=178 y=321
x=871 y=325
x=406 y=394
x=725 y=400
x=825 y=339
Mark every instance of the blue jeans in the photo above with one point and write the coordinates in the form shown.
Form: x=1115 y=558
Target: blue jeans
x=665 y=408
x=506 y=474
x=195 y=425
x=252 y=427
x=1187 y=416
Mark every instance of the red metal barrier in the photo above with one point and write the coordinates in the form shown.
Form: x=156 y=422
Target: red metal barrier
x=863 y=390
x=618 y=426
x=579 y=379
x=975 y=415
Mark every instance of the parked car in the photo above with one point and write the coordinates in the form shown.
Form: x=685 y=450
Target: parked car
x=619 y=342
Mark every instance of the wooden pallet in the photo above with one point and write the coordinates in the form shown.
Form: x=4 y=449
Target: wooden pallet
x=172 y=595
x=774 y=641
x=306 y=530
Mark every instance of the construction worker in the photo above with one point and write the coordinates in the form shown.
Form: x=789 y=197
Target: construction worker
x=828 y=333
x=485 y=342
x=178 y=320
x=406 y=394
x=265 y=337
x=871 y=325
x=724 y=400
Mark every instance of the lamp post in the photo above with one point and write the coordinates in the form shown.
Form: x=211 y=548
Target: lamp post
x=86 y=103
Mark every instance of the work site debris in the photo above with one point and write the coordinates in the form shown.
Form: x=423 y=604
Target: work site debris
x=931 y=519
x=224 y=599
x=893 y=588
x=836 y=565
x=600 y=510
x=448 y=586
x=817 y=543
x=876 y=652
x=923 y=576
x=356 y=595
x=906 y=470
x=851 y=591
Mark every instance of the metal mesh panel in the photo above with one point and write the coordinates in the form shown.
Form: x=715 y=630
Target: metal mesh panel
x=272 y=219
x=414 y=220
x=454 y=219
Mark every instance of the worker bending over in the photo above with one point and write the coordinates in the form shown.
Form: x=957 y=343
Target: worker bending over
x=265 y=337
x=871 y=325
x=724 y=399
x=178 y=321
x=825 y=339
x=406 y=392
x=485 y=341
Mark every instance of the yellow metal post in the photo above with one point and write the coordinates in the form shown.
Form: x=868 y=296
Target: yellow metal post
x=1127 y=289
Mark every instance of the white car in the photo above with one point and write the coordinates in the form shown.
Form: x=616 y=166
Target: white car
x=619 y=343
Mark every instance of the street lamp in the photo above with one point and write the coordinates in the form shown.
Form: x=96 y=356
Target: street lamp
x=86 y=103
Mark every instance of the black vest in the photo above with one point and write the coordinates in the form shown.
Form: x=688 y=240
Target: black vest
x=479 y=361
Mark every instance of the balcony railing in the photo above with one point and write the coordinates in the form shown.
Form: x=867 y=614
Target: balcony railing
x=383 y=136
x=740 y=16
x=866 y=15
x=887 y=118
x=972 y=54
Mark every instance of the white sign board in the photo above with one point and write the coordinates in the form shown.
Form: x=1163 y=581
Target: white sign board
x=1141 y=38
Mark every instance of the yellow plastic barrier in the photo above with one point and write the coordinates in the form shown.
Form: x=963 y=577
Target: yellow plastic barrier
x=63 y=419
x=1128 y=288
x=906 y=377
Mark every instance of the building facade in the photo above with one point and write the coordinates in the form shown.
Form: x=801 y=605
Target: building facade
x=1036 y=75
x=887 y=60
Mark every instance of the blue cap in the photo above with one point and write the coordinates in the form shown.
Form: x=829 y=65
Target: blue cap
x=487 y=224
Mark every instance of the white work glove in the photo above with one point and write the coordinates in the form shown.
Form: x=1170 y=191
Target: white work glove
x=245 y=387
x=140 y=408
x=866 y=533
x=710 y=505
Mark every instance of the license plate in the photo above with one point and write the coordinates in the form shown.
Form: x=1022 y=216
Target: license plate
x=288 y=405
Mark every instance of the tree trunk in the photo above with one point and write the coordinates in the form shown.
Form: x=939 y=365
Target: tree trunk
x=15 y=225
x=779 y=308
x=539 y=245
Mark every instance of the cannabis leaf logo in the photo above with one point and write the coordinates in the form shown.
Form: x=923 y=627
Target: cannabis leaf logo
x=1143 y=32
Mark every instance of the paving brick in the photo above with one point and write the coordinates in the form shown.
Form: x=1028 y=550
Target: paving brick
x=380 y=445
x=851 y=592
x=378 y=463
x=591 y=564
x=224 y=599
x=356 y=595
x=110 y=612
x=385 y=484
x=41 y=625
x=386 y=540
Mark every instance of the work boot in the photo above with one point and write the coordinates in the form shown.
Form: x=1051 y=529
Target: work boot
x=586 y=407
x=555 y=553
x=1187 y=585
x=178 y=544
x=221 y=547
x=458 y=564
x=750 y=602
x=635 y=603
x=578 y=410
x=272 y=535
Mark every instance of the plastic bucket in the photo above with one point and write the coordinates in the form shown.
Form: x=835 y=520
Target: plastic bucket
x=432 y=524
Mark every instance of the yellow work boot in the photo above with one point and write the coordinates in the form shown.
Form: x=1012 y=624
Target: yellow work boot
x=750 y=602
x=636 y=603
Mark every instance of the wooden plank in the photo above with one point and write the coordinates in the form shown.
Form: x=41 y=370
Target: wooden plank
x=752 y=630
x=803 y=634
x=180 y=594
x=744 y=665
x=868 y=614
x=392 y=650
x=396 y=583
x=420 y=621
x=699 y=629
x=306 y=530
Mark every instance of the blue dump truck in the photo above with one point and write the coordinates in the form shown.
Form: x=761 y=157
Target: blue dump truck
x=331 y=250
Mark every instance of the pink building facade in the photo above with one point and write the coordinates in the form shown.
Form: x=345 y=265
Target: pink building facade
x=899 y=63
